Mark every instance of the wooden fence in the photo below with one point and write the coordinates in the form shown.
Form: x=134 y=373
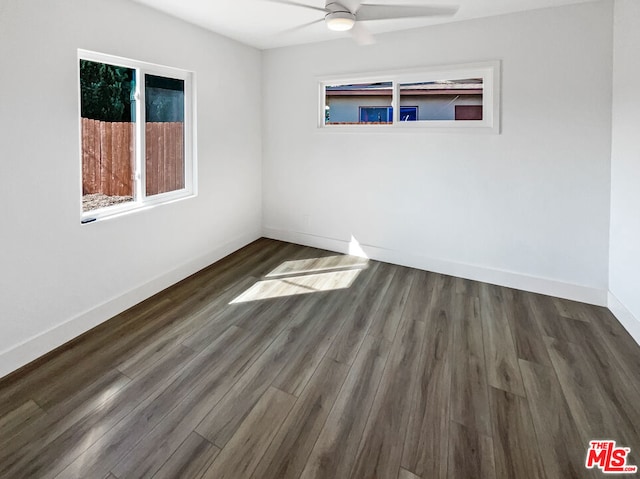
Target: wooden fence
x=107 y=157
x=108 y=153
x=164 y=157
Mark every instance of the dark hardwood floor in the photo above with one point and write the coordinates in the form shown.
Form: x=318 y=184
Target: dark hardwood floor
x=282 y=361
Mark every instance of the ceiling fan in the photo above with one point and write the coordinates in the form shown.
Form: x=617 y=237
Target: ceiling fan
x=347 y=15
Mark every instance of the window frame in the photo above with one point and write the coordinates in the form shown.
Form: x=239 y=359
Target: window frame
x=489 y=71
x=141 y=201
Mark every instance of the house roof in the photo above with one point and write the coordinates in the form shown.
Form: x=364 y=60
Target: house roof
x=471 y=86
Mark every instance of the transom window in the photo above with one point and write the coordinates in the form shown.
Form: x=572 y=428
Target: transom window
x=455 y=96
x=136 y=134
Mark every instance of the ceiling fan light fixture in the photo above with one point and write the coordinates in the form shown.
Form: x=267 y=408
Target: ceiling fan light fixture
x=340 y=21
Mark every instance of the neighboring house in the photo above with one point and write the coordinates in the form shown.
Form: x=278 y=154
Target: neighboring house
x=424 y=101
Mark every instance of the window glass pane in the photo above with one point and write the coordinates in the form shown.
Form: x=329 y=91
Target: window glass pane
x=164 y=134
x=408 y=113
x=376 y=114
x=107 y=109
x=354 y=104
x=442 y=100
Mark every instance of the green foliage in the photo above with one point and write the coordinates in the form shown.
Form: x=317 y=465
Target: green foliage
x=105 y=91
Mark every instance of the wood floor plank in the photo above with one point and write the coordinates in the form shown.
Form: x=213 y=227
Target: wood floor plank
x=618 y=340
x=385 y=320
x=380 y=452
x=177 y=412
x=242 y=314
x=190 y=461
x=426 y=440
x=254 y=436
x=237 y=314
x=47 y=455
x=500 y=351
x=203 y=375
x=551 y=323
x=527 y=335
x=470 y=453
x=335 y=451
x=12 y=422
x=404 y=474
x=562 y=451
x=466 y=287
x=291 y=348
x=515 y=448
x=359 y=317
x=49 y=380
x=469 y=390
x=290 y=449
x=97 y=361
x=173 y=336
x=62 y=417
x=420 y=295
x=573 y=309
x=296 y=373
x=590 y=405
x=614 y=381
x=442 y=298
x=327 y=320
x=218 y=368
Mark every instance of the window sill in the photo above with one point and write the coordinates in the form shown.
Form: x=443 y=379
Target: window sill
x=117 y=211
x=414 y=127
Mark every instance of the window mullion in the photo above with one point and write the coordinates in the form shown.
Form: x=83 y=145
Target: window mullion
x=395 y=101
x=140 y=137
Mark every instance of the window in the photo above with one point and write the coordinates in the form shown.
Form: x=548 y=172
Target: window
x=443 y=97
x=136 y=134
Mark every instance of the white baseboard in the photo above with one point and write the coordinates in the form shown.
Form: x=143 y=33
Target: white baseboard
x=626 y=318
x=25 y=352
x=509 y=279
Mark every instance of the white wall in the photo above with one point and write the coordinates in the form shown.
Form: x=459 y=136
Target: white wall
x=59 y=278
x=528 y=208
x=625 y=169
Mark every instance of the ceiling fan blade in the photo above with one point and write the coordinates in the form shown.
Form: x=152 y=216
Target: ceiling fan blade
x=369 y=11
x=362 y=35
x=297 y=4
x=351 y=5
x=300 y=27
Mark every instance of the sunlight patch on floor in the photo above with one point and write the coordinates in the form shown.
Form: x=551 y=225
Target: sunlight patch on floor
x=299 y=284
x=314 y=265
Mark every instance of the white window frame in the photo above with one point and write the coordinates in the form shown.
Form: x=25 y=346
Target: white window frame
x=490 y=72
x=141 y=201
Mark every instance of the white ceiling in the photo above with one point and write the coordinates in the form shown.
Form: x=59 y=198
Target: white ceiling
x=263 y=24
